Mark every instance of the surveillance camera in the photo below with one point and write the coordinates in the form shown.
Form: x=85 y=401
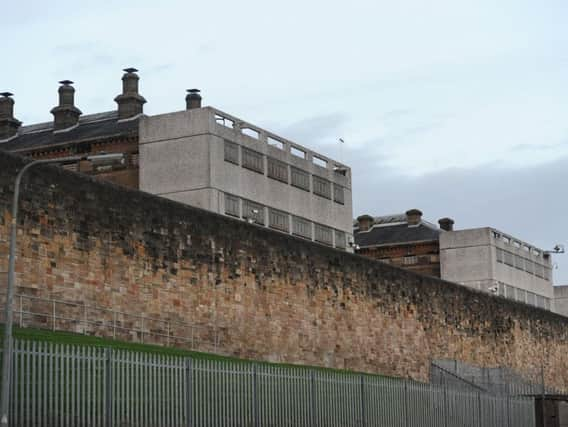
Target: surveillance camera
x=493 y=289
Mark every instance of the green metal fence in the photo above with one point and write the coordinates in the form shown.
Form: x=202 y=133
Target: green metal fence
x=63 y=385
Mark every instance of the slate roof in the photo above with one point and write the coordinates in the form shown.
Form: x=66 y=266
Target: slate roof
x=396 y=233
x=90 y=127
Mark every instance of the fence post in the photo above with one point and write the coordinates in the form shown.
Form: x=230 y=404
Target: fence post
x=108 y=387
x=363 y=417
x=479 y=409
x=313 y=397
x=446 y=404
x=255 y=394
x=406 y=403
x=188 y=390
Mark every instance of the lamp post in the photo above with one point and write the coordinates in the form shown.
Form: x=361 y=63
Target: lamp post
x=99 y=159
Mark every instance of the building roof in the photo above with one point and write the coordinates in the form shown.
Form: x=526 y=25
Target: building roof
x=396 y=233
x=90 y=127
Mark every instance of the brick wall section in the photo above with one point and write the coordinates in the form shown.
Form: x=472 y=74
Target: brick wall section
x=277 y=297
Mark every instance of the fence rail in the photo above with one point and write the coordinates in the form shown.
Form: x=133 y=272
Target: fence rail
x=62 y=315
x=64 y=385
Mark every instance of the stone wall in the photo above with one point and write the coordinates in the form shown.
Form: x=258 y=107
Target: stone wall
x=275 y=297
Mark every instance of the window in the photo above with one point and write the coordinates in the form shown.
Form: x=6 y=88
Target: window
x=278 y=220
x=253 y=212
x=529 y=266
x=302 y=227
x=500 y=255
x=340 y=239
x=253 y=133
x=231 y=152
x=322 y=187
x=277 y=170
x=275 y=143
x=232 y=205
x=519 y=262
x=319 y=162
x=521 y=295
x=300 y=179
x=338 y=194
x=509 y=259
x=297 y=152
x=410 y=260
x=253 y=160
x=509 y=292
x=323 y=234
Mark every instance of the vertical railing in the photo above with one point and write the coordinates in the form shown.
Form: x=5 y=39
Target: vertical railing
x=65 y=385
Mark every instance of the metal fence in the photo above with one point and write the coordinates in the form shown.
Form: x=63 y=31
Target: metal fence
x=497 y=380
x=64 y=385
x=62 y=315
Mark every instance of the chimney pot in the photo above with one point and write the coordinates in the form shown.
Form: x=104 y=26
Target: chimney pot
x=8 y=123
x=193 y=99
x=446 y=224
x=130 y=102
x=365 y=222
x=413 y=216
x=65 y=114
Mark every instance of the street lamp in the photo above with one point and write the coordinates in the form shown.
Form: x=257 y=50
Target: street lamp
x=98 y=159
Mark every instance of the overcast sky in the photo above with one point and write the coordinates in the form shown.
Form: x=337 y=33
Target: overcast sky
x=458 y=108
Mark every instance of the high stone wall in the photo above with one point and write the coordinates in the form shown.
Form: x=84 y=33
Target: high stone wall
x=275 y=297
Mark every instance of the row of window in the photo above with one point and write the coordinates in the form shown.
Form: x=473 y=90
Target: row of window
x=526 y=297
x=279 y=220
x=278 y=170
x=524 y=264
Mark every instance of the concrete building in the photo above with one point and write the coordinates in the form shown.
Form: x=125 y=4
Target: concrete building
x=200 y=156
x=492 y=261
x=210 y=159
x=561 y=299
x=483 y=258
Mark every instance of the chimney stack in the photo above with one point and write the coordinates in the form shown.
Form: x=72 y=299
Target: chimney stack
x=365 y=222
x=65 y=114
x=8 y=123
x=446 y=224
x=193 y=99
x=413 y=216
x=130 y=102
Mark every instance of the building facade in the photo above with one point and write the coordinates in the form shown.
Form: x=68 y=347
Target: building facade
x=199 y=156
x=210 y=159
x=483 y=258
x=492 y=261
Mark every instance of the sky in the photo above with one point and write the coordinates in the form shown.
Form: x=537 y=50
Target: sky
x=457 y=108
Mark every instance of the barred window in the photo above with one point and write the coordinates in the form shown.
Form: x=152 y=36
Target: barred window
x=302 y=227
x=521 y=295
x=340 y=240
x=519 y=262
x=509 y=292
x=338 y=194
x=300 y=179
x=277 y=170
x=253 y=160
x=232 y=205
x=231 y=152
x=253 y=212
x=322 y=187
x=278 y=220
x=323 y=234
x=531 y=298
x=500 y=255
x=509 y=259
x=529 y=266
x=410 y=260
